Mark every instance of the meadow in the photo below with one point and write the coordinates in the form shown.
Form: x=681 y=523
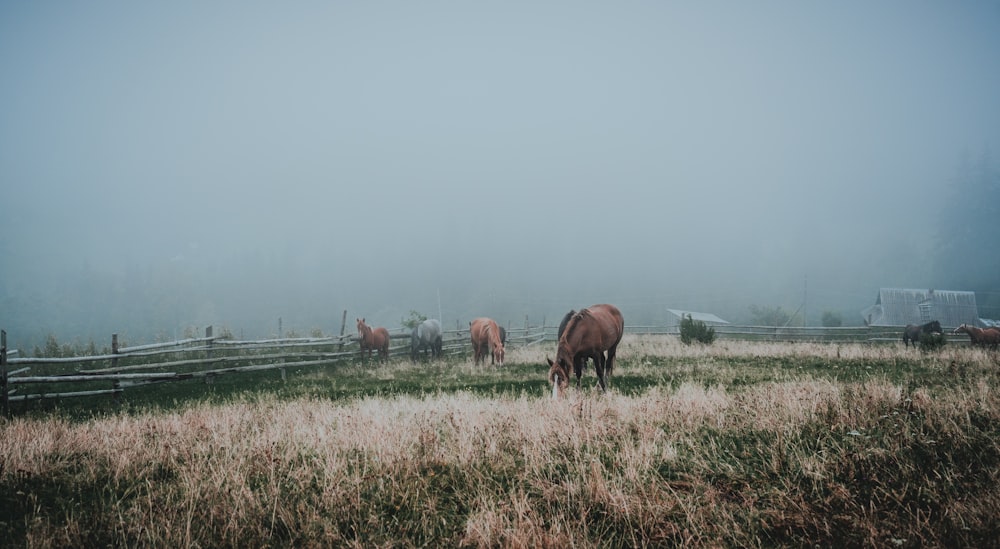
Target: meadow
x=749 y=444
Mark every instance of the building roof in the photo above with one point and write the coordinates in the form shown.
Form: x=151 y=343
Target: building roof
x=901 y=306
x=707 y=318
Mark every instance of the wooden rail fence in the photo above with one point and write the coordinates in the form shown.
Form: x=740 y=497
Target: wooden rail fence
x=210 y=356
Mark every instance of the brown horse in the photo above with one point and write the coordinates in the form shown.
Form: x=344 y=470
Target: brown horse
x=369 y=339
x=486 y=337
x=586 y=334
x=990 y=337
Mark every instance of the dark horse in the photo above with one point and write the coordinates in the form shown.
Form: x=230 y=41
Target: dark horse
x=485 y=336
x=582 y=335
x=989 y=337
x=426 y=335
x=912 y=332
x=369 y=339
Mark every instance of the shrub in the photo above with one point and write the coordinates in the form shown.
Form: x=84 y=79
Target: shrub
x=932 y=342
x=696 y=330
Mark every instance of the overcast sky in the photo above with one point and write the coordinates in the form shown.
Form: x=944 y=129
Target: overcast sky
x=667 y=152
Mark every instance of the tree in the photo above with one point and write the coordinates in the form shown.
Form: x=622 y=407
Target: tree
x=763 y=315
x=832 y=319
x=965 y=257
x=415 y=319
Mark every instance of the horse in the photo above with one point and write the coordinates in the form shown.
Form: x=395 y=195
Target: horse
x=990 y=337
x=582 y=335
x=486 y=337
x=369 y=339
x=912 y=332
x=426 y=335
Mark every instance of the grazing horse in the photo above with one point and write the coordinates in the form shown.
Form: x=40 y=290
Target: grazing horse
x=912 y=332
x=486 y=337
x=369 y=339
x=582 y=335
x=426 y=335
x=990 y=337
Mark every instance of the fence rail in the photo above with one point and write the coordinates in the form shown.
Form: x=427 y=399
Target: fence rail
x=211 y=356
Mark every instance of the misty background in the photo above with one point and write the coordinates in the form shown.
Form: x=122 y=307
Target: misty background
x=186 y=164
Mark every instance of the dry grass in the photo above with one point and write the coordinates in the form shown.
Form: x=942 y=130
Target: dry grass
x=795 y=462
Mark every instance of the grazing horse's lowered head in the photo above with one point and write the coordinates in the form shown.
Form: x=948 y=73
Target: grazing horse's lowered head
x=912 y=332
x=377 y=338
x=587 y=334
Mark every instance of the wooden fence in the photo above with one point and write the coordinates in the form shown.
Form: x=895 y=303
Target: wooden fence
x=201 y=358
x=210 y=356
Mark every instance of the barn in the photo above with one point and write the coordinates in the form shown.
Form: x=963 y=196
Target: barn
x=674 y=317
x=900 y=306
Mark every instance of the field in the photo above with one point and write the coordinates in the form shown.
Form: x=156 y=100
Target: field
x=736 y=444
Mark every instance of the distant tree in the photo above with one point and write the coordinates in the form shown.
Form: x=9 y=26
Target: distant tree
x=832 y=319
x=52 y=347
x=763 y=315
x=415 y=319
x=964 y=256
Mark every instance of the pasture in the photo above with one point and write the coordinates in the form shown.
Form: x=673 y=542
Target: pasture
x=735 y=444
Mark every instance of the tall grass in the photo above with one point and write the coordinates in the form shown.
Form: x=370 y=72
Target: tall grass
x=735 y=444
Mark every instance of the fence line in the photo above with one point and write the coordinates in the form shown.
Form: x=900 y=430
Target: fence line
x=138 y=365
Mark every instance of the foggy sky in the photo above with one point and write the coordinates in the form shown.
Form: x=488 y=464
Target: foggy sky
x=486 y=158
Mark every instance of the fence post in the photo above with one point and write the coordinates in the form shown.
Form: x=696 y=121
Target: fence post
x=208 y=336
x=116 y=385
x=343 y=326
x=3 y=372
x=209 y=379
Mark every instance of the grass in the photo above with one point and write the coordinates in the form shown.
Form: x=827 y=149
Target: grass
x=734 y=444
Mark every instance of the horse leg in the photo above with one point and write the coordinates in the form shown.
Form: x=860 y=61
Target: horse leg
x=599 y=368
x=611 y=361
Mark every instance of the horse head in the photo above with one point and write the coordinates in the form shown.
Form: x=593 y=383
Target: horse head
x=498 y=353
x=558 y=376
x=364 y=332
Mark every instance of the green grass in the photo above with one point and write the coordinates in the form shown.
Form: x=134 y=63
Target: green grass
x=736 y=444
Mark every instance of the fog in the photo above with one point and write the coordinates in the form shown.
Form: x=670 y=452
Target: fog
x=189 y=163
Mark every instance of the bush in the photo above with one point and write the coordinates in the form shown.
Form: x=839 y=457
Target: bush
x=696 y=330
x=932 y=342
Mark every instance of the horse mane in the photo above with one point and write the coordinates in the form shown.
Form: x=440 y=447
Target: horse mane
x=562 y=324
x=570 y=322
